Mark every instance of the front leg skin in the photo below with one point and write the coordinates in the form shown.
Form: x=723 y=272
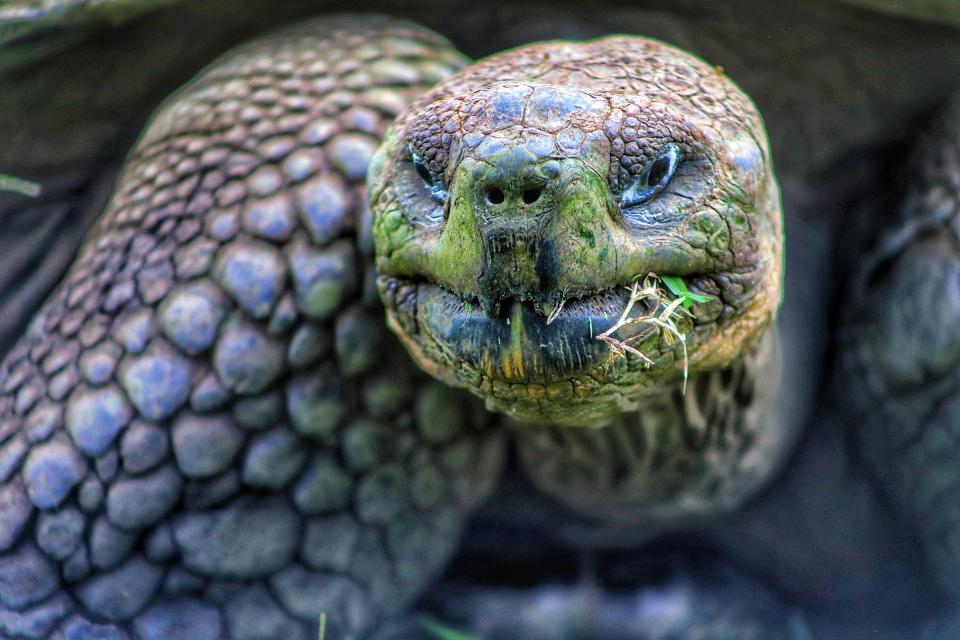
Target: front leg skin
x=900 y=351
x=207 y=431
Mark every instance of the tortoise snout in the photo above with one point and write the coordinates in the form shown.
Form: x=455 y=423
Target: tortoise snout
x=500 y=198
x=514 y=179
x=505 y=196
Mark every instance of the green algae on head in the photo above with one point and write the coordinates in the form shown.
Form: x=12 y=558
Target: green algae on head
x=515 y=201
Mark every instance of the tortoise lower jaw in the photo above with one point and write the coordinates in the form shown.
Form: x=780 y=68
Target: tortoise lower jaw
x=518 y=346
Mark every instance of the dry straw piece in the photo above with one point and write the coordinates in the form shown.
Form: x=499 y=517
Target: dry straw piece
x=662 y=318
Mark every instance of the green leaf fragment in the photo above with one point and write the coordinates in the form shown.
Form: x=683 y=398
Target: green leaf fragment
x=19 y=185
x=679 y=288
x=441 y=631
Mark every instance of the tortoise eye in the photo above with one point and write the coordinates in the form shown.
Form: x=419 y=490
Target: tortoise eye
x=434 y=186
x=654 y=179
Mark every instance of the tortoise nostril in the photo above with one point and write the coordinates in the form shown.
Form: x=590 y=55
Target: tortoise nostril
x=531 y=195
x=495 y=195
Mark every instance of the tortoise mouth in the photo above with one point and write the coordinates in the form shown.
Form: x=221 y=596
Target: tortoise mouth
x=514 y=343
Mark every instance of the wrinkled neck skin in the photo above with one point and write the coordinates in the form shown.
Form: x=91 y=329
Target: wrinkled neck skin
x=678 y=461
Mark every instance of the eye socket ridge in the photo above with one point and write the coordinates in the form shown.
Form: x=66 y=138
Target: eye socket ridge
x=433 y=184
x=654 y=179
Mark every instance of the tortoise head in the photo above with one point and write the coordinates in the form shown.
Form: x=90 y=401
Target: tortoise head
x=515 y=204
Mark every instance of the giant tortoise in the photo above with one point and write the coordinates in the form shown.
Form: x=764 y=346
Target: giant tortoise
x=361 y=332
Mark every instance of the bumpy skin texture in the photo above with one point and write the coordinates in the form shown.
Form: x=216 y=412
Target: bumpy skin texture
x=901 y=347
x=207 y=431
x=532 y=158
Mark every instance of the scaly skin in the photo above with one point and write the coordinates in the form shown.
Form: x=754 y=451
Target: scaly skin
x=531 y=155
x=207 y=431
